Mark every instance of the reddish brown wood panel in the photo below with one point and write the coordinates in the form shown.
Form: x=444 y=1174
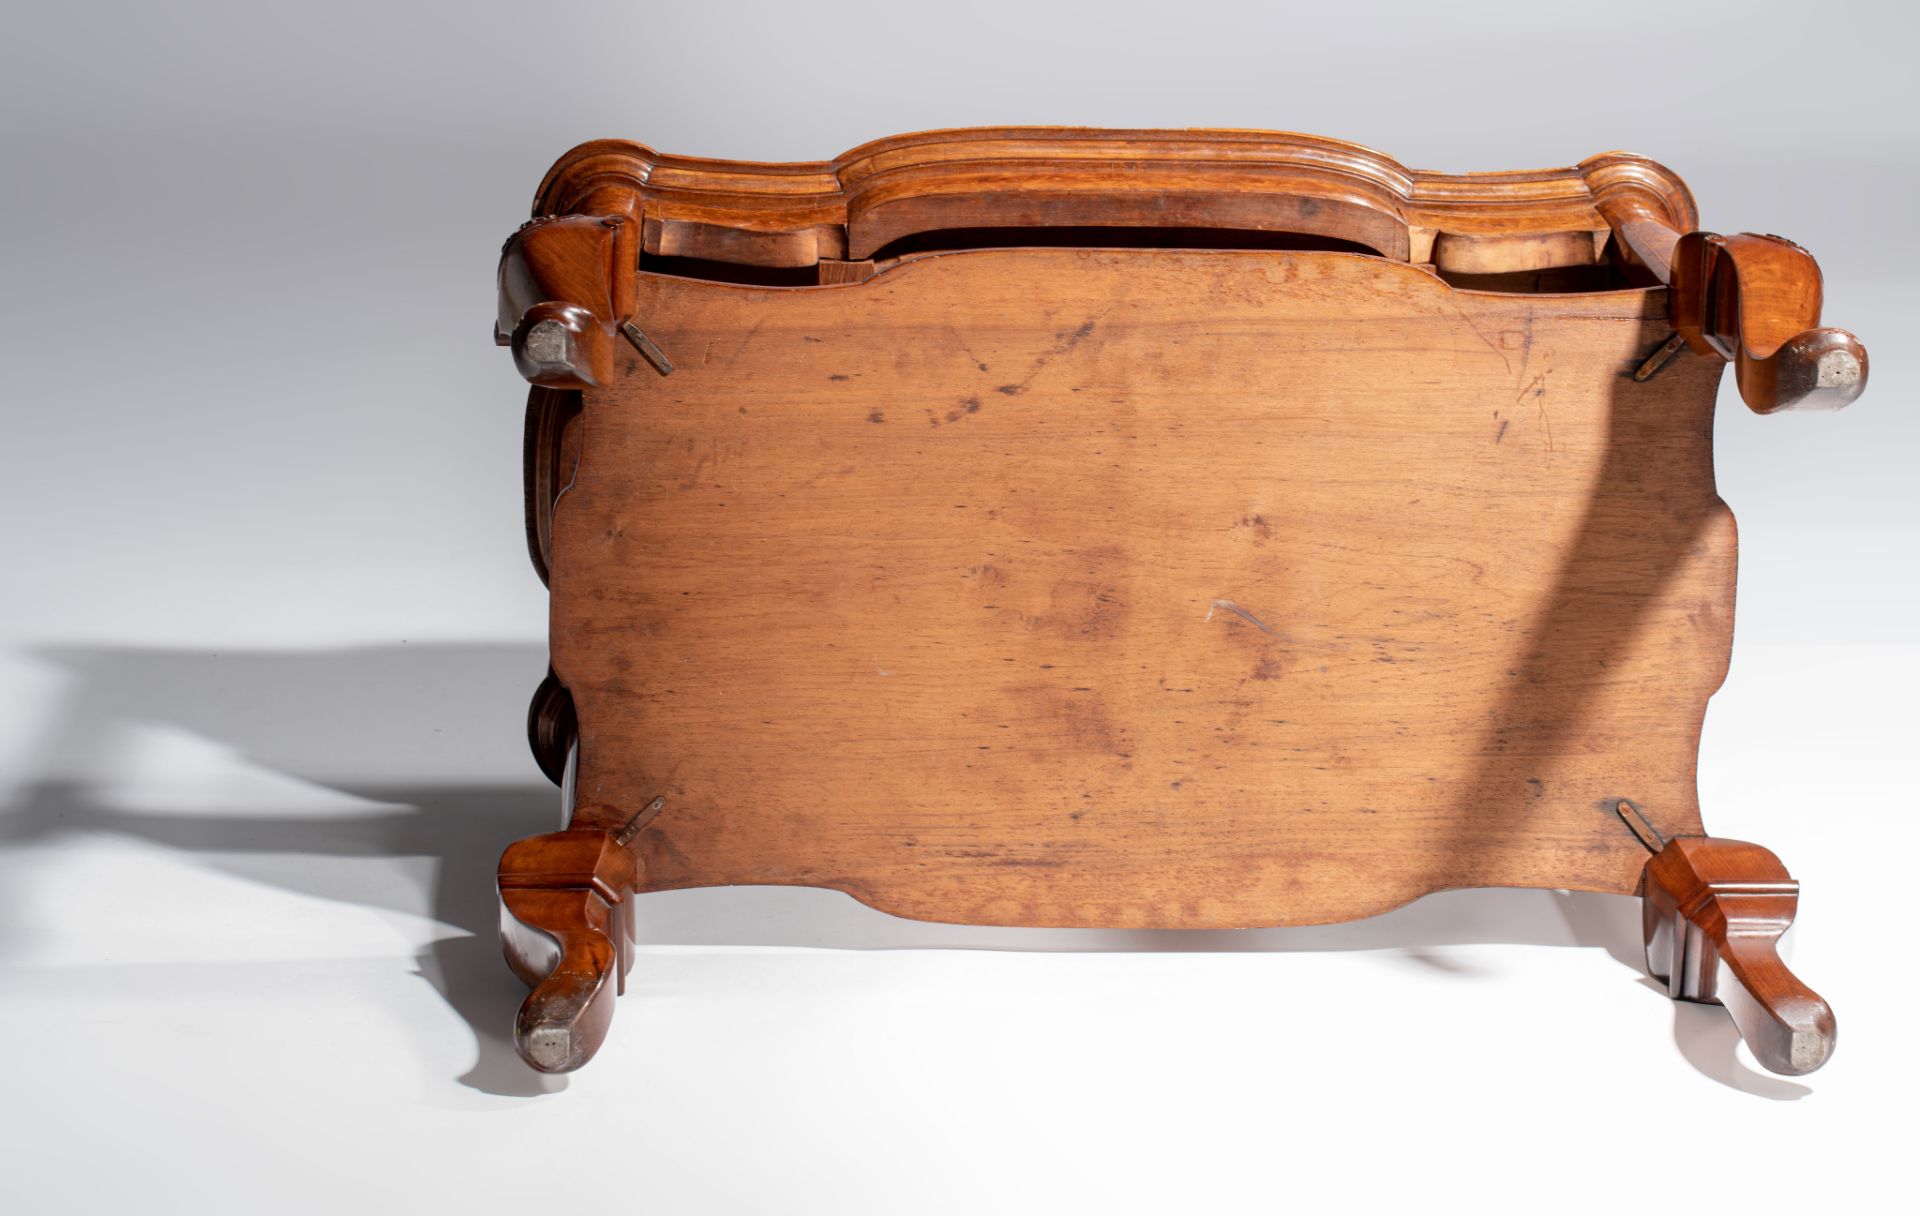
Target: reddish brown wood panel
x=794 y=215
x=1714 y=911
x=1143 y=588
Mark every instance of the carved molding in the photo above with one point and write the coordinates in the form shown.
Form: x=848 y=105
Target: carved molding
x=792 y=215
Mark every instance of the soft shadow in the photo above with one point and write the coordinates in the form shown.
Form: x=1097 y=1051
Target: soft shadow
x=1710 y=1041
x=812 y=917
x=398 y=716
x=433 y=735
x=1647 y=513
x=455 y=833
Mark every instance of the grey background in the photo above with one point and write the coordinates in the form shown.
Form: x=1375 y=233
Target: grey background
x=267 y=629
x=252 y=399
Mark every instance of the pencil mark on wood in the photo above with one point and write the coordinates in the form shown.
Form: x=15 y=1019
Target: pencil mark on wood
x=1066 y=342
x=1537 y=389
x=1242 y=613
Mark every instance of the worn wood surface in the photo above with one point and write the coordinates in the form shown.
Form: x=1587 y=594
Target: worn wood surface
x=567 y=286
x=1142 y=588
x=1139 y=528
x=904 y=186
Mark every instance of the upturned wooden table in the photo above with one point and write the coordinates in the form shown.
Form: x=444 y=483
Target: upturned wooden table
x=1182 y=529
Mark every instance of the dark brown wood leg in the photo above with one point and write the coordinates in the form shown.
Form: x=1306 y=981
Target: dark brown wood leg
x=551 y=727
x=1713 y=911
x=566 y=922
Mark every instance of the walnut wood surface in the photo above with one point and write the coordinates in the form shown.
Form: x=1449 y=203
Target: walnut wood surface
x=1755 y=302
x=1714 y=913
x=566 y=281
x=551 y=450
x=566 y=923
x=943 y=552
x=792 y=215
x=1751 y=300
x=1143 y=588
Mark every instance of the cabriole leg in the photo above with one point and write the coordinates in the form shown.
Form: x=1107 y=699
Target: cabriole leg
x=566 y=923
x=1713 y=911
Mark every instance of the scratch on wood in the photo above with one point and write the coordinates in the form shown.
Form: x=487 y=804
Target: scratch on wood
x=746 y=339
x=1240 y=612
x=1490 y=343
x=1066 y=343
x=965 y=349
x=1537 y=388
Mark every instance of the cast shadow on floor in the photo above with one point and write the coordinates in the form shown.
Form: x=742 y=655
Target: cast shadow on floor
x=432 y=735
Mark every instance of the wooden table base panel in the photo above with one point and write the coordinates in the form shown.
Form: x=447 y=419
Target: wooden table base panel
x=1139 y=529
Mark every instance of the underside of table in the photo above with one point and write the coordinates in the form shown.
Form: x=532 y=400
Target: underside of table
x=1160 y=529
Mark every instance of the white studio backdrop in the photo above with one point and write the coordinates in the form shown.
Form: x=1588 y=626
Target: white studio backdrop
x=267 y=630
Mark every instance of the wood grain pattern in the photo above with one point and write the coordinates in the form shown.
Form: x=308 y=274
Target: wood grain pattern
x=852 y=207
x=1050 y=526
x=1140 y=588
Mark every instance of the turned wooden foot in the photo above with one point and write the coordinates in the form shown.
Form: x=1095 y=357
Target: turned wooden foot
x=1714 y=911
x=566 y=922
